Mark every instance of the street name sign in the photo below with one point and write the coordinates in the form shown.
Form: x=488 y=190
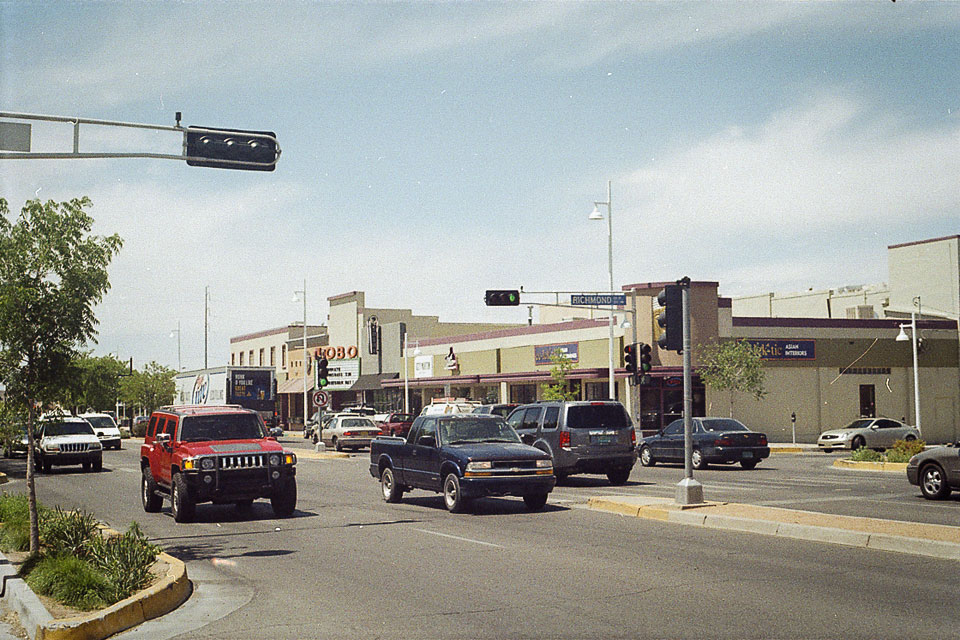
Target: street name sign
x=598 y=299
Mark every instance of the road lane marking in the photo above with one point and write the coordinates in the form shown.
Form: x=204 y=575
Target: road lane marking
x=447 y=535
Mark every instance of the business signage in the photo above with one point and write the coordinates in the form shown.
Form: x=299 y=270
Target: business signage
x=598 y=299
x=543 y=353
x=342 y=374
x=786 y=349
x=423 y=367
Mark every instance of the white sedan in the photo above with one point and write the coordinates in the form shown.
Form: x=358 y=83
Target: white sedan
x=872 y=433
x=349 y=432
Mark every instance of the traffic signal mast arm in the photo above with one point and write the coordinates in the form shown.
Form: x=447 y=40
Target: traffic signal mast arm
x=230 y=148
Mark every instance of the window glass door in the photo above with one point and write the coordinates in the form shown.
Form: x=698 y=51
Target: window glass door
x=868 y=401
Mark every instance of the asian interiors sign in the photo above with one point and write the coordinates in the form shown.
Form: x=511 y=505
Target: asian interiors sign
x=786 y=349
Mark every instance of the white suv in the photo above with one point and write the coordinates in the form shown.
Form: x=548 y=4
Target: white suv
x=67 y=440
x=105 y=428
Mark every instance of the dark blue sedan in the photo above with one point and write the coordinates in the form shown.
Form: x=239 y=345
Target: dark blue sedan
x=715 y=440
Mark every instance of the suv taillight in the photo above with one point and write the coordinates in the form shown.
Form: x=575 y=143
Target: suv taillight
x=564 y=442
x=633 y=436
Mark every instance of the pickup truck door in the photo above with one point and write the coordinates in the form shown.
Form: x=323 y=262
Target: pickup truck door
x=422 y=464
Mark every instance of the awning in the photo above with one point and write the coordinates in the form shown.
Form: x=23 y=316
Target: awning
x=372 y=381
x=294 y=385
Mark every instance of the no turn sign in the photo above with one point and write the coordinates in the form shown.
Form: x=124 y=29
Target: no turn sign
x=321 y=398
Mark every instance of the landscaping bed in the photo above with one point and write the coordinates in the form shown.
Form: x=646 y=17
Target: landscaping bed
x=80 y=566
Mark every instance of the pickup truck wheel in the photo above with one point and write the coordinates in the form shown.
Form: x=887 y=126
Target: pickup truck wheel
x=148 y=496
x=452 y=497
x=182 y=505
x=535 y=501
x=388 y=486
x=284 y=501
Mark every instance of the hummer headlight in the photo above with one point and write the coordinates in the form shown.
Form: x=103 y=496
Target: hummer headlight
x=275 y=460
x=207 y=464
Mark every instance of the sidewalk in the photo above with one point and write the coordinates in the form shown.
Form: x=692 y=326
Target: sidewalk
x=933 y=540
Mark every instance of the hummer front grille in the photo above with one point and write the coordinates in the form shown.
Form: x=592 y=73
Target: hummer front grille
x=245 y=461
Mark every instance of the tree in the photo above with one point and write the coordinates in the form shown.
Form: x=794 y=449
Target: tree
x=734 y=366
x=52 y=274
x=94 y=383
x=560 y=389
x=149 y=389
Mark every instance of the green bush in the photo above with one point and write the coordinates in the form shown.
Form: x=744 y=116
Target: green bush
x=69 y=580
x=68 y=532
x=125 y=560
x=15 y=516
x=866 y=455
x=139 y=429
x=902 y=450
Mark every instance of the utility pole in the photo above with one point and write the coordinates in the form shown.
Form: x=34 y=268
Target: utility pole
x=689 y=491
x=206 y=323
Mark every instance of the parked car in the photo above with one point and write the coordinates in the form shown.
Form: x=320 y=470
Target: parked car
x=580 y=436
x=396 y=424
x=462 y=456
x=502 y=410
x=105 y=427
x=872 y=433
x=66 y=440
x=349 y=431
x=936 y=471
x=715 y=440
x=17 y=443
x=212 y=453
x=276 y=431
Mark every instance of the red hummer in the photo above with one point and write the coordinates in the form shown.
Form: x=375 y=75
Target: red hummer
x=218 y=454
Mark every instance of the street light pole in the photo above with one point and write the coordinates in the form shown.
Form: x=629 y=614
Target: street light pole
x=596 y=215
x=303 y=293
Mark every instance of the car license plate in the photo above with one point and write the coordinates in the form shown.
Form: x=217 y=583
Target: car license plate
x=603 y=439
x=748 y=454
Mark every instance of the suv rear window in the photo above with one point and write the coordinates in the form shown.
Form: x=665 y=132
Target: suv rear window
x=235 y=426
x=597 y=416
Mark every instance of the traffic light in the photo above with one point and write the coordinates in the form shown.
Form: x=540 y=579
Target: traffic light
x=502 y=298
x=322 y=373
x=671 y=318
x=630 y=358
x=231 y=149
x=645 y=365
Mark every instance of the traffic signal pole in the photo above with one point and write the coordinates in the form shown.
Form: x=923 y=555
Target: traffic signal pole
x=689 y=491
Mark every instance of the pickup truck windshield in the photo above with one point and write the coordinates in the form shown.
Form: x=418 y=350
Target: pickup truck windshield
x=463 y=431
x=239 y=426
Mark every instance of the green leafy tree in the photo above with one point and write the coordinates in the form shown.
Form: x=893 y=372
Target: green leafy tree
x=149 y=389
x=52 y=274
x=94 y=383
x=735 y=366
x=560 y=389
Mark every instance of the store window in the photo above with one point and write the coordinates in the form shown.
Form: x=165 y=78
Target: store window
x=597 y=391
x=273 y=356
x=523 y=393
x=868 y=401
x=241 y=358
x=261 y=357
x=283 y=356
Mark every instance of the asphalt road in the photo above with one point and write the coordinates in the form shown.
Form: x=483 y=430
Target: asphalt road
x=348 y=565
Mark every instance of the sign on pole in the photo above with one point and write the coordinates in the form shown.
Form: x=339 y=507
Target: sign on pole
x=598 y=299
x=320 y=398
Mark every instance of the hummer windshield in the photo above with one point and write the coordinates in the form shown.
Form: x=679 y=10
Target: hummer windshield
x=228 y=426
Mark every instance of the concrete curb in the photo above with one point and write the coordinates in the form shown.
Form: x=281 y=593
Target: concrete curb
x=887 y=467
x=937 y=541
x=3 y=478
x=168 y=593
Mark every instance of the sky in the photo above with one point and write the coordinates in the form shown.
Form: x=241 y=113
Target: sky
x=433 y=150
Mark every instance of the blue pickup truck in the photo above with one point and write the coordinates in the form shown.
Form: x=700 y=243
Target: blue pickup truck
x=462 y=456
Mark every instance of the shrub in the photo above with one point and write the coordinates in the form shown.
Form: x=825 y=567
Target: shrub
x=125 y=560
x=902 y=450
x=139 y=429
x=15 y=516
x=68 y=580
x=866 y=455
x=68 y=532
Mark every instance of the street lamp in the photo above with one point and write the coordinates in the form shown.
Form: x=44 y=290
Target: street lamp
x=406 y=377
x=303 y=293
x=177 y=331
x=597 y=215
x=902 y=337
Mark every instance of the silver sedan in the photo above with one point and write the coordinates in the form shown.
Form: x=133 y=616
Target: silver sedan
x=347 y=431
x=872 y=433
